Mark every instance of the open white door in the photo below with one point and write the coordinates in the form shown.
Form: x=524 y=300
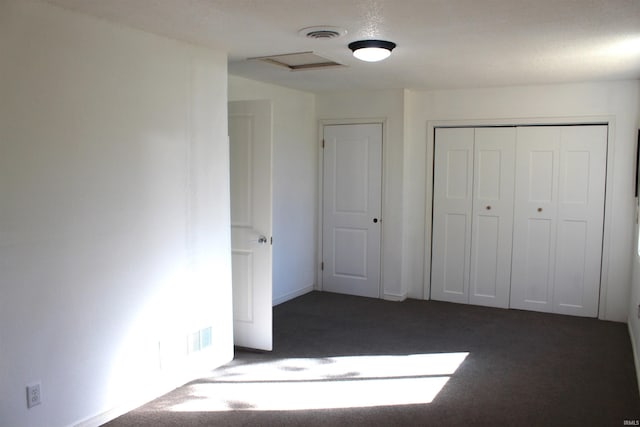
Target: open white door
x=250 y=153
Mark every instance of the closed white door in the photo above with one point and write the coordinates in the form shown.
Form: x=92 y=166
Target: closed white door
x=583 y=157
x=352 y=185
x=452 y=206
x=250 y=153
x=472 y=215
x=559 y=212
x=492 y=219
x=534 y=257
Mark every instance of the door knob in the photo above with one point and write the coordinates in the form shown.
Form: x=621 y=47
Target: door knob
x=262 y=240
x=375 y=220
x=488 y=208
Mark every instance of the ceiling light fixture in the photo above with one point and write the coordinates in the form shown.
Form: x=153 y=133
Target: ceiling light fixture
x=371 y=50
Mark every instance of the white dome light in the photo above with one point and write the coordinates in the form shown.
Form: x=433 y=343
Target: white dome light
x=371 y=50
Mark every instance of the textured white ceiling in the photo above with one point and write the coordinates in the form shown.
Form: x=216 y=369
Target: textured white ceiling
x=441 y=43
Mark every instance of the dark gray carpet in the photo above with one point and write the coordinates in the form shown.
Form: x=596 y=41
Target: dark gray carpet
x=523 y=368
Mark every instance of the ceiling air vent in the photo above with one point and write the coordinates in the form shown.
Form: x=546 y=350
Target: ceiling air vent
x=322 y=32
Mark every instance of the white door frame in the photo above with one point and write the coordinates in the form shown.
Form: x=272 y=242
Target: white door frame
x=328 y=122
x=556 y=121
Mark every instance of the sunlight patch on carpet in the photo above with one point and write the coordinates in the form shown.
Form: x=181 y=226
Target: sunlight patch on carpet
x=324 y=383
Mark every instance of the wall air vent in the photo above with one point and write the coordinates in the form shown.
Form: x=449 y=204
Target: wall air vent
x=299 y=61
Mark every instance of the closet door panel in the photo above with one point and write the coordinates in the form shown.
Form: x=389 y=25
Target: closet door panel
x=580 y=220
x=492 y=220
x=485 y=256
x=452 y=205
x=535 y=217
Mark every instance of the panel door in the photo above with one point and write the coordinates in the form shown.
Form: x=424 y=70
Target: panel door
x=351 y=209
x=535 y=216
x=452 y=214
x=492 y=217
x=559 y=214
x=250 y=153
x=580 y=220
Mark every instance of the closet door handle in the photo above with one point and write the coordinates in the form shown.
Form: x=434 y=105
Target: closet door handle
x=539 y=209
x=488 y=208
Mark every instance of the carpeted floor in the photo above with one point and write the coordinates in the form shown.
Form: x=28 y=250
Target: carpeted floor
x=334 y=352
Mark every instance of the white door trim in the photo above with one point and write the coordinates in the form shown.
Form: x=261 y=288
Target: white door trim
x=526 y=121
x=319 y=249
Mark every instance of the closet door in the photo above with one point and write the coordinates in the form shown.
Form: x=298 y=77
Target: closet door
x=492 y=219
x=558 y=219
x=535 y=216
x=452 y=206
x=580 y=220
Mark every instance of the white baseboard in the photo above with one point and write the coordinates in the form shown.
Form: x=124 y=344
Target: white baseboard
x=292 y=295
x=167 y=385
x=114 y=413
x=394 y=297
x=636 y=352
x=105 y=417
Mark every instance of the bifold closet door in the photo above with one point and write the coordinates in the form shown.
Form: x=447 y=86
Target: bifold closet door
x=472 y=215
x=492 y=219
x=559 y=213
x=452 y=203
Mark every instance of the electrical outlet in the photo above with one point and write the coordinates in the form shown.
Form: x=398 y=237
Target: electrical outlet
x=34 y=395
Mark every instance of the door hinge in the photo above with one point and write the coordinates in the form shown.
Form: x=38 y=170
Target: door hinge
x=323 y=143
x=271 y=240
x=322 y=266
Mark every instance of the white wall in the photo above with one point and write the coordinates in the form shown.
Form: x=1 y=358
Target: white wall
x=387 y=105
x=619 y=100
x=634 y=298
x=294 y=181
x=114 y=214
x=408 y=170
